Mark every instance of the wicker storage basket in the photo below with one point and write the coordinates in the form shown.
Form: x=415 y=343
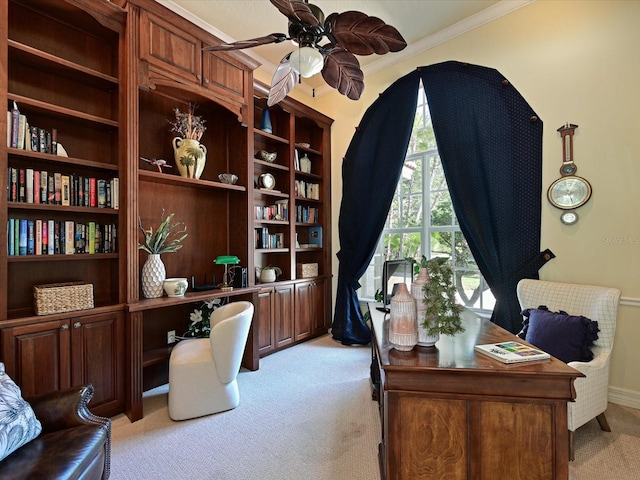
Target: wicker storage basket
x=62 y=297
x=306 y=270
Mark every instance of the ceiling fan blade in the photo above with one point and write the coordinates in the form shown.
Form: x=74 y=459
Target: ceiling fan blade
x=283 y=81
x=363 y=35
x=296 y=11
x=342 y=71
x=252 y=42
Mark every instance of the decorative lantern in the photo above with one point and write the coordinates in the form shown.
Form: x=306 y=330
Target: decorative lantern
x=403 y=325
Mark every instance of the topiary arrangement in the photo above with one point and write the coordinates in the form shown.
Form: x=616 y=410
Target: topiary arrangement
x=440 y=298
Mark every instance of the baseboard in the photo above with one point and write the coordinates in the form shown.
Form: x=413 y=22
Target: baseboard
x=622 y=396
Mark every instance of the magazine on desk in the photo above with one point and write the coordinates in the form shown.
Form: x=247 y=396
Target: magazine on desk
x=512 y=352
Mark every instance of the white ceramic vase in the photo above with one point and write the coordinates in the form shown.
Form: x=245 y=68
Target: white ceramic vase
x=153 y=276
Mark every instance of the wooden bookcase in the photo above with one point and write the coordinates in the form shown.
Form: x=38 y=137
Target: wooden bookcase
x=107 y=76
x=64 y=73
x=297 y=306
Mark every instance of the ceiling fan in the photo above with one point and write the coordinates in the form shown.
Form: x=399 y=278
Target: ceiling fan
x=349 y=34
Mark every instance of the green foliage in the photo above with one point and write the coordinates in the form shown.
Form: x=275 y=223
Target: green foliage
x=165 y=239
x=440 y=298
x=200 y=326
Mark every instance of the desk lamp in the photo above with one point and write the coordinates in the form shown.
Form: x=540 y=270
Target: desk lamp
x=227 y=279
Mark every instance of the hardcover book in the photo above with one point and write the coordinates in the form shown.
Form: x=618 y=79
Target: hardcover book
x=512 y=352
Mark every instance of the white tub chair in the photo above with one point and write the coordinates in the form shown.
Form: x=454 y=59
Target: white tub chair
x=203 y=371
x=596 y=303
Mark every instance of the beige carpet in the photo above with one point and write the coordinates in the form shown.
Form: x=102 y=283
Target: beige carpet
x=307 y=414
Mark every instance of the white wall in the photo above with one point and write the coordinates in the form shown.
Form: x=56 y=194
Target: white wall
x=577 y=62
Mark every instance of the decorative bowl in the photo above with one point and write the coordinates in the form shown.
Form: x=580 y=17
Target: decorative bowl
x=228 y=178
x=175 y=287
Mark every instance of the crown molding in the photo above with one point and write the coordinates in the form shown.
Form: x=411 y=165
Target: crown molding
x=470 y=23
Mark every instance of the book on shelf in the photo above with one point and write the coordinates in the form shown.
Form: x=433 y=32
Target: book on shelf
x=10 y=237
x=31 y=237
x=29 y=185
x=51 y=189
x=512 y=352
x=22 y=131
x=13 y=191
x=57 y=185
x=38 y=237
x=45 y=237
x=15 y=121
x=36 y=186
x=42 y=140
x=69 y=236
x=101 y=186
x=51 y=247
x=34 y=139
x=65 y=190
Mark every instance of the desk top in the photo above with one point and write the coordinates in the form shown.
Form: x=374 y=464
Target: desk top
x=456 y=354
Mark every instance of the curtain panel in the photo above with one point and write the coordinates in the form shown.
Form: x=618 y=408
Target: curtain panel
x=490 y=144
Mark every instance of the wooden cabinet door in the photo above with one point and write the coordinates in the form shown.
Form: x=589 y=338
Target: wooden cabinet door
x=37 y=356
x=283 y=314
x=304 y=310
x=264 y=319
x=170 y=49
x=320 y=319
x=225 y=75
x=98 y=358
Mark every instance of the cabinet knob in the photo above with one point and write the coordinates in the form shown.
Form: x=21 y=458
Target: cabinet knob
x=199 y=77
x=77 y=325
x=206 y=80
x=65 y=327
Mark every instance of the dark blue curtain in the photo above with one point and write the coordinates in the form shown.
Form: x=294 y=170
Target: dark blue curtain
x=370 y=174
x=490 y=144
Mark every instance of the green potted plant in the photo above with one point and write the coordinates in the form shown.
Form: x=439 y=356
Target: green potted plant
x=441 y=312
x=189 y=153
x=270 y=273
x=167 y=238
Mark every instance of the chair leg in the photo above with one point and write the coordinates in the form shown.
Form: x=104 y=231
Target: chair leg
x=572 y=446
x=602 y=420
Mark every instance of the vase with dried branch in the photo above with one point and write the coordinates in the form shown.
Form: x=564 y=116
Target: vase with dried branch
x=190 y=154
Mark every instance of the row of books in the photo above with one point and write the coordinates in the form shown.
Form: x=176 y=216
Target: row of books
x=51 y=237
x=277 y=211
x=266 y=240
x=306 y=214
x=307 y=190
x=28 y=137
x=39 y=186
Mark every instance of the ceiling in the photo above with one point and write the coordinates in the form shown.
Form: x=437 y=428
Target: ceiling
x=423 y=23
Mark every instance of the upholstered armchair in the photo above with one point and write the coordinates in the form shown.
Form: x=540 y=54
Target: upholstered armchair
x=203 y=371
x=599 y=304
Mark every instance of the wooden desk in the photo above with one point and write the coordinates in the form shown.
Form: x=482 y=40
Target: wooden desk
x=448 y=412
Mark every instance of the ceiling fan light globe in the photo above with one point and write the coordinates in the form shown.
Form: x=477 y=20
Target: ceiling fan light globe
x=306 y=61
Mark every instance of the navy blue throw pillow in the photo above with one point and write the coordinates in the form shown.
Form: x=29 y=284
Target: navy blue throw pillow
x=566 y=337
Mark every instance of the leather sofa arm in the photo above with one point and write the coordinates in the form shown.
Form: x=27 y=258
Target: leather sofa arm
x=66 y=409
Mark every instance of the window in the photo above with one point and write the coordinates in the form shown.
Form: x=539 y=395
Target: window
x=421 y=220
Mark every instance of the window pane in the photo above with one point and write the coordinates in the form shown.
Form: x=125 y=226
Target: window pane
x=468 y=288
x=463 y=257
x=402 y=245
x=440 y=244
x=441 y=209
x=411 y=211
